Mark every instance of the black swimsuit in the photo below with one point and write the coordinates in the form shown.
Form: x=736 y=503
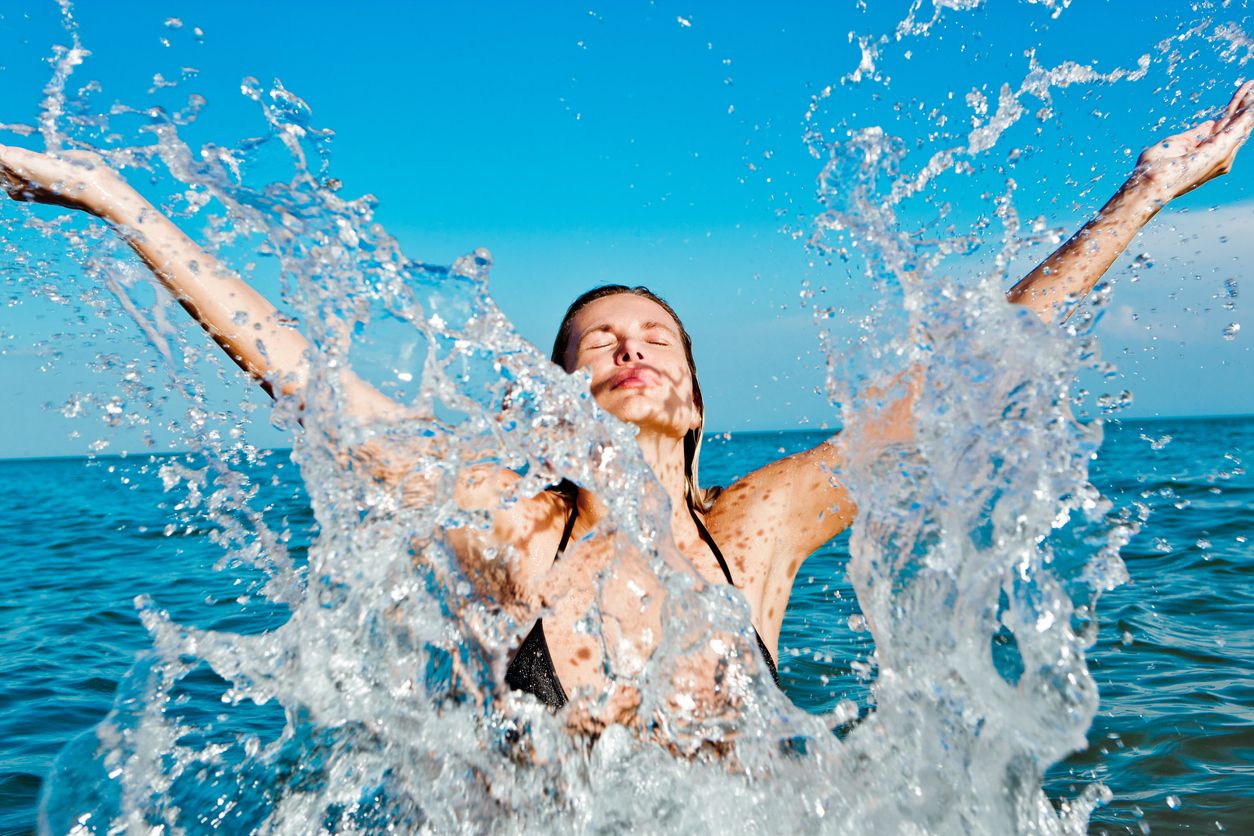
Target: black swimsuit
x=531 y=670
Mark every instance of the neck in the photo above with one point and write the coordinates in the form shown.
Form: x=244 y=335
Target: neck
x=665 y=454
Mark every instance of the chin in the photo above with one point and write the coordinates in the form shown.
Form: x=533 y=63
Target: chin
x=645 y=415
x=631 y=408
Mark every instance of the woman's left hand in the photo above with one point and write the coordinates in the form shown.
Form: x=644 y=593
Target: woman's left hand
x=1182 y=162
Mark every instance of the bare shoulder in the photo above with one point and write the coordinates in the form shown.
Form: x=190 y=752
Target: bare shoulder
x=796 y=503
x=496 y=556
x=509 y=559
x=486 y=487
x=773 y=519
x=526 y=525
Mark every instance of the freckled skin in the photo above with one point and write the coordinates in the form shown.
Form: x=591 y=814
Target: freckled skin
x=792 y=506
x=766 y=523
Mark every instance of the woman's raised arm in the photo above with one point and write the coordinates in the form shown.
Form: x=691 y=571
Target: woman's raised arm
x=253 y=334
x=809 y=504
x=239 y=319
x=1164 y=171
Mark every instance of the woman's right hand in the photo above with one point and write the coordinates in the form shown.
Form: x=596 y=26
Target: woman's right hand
x=74 y=179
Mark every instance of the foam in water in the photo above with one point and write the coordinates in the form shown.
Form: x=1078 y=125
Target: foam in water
x=978 y=556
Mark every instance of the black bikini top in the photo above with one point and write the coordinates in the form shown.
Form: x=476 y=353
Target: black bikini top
x=531 y=670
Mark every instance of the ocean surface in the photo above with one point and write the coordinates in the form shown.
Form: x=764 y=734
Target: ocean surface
x=1174 y=657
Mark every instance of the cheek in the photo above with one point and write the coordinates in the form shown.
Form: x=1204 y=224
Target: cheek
x=586 y=360
x=683 y=387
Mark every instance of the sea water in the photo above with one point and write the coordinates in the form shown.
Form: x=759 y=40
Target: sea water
x=339 y=671
x=1172 y=659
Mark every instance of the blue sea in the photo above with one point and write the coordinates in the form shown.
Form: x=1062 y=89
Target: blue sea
x=1174 y=658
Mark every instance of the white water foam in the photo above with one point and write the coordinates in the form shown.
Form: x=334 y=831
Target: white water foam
x=979 y=553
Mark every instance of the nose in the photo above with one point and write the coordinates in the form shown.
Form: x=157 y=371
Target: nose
x=629 y=351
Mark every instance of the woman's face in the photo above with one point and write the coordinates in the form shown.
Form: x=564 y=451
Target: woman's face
x=640 y=373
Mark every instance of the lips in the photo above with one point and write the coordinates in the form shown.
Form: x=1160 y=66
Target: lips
x=634 y=377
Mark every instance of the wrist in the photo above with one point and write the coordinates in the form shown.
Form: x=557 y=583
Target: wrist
x=1141 y=197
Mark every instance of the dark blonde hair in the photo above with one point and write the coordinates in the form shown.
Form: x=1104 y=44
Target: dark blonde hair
x=701 y=499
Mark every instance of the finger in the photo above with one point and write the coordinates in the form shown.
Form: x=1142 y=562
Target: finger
x=20 y=161
x=1237 y=128
x=1234 y=103
x=1233 y=128
x=1241 y=104
x=18 y=155
x=8 y=155
x=1246 y=90
x=1239 y=99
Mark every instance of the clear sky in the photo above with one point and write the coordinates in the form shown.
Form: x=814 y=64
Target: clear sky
x=661 y=143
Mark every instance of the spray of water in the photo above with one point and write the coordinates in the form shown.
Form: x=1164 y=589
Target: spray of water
x=373 y=698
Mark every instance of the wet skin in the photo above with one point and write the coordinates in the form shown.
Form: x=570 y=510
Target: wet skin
x=766 y=523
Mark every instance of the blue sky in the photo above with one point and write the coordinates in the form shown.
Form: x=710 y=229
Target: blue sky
x=662 y=143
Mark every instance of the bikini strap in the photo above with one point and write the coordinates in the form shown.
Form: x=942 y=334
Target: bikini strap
x=705 y=535
x=569 y=491
x=722 y=564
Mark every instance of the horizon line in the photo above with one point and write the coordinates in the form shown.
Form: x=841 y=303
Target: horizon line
x=709 y=435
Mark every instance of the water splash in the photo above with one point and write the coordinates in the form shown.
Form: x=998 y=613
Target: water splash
x=978 y=559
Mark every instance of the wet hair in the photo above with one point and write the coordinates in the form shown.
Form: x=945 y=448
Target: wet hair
x=701 y=499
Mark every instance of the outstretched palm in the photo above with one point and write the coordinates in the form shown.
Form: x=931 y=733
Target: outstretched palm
x=1184 y=161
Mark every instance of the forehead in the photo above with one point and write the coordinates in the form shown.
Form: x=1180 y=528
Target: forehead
x=620 y=310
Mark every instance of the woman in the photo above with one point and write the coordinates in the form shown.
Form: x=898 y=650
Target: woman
x=755 y=534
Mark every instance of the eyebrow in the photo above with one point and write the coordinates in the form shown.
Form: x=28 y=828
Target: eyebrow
x=649 y=326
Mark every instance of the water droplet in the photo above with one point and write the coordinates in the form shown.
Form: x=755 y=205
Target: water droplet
x=1114 y=403
x=1230 y=330
x=173 y=23
x=1230 y=288
x=683 y=21
x=1173 y=801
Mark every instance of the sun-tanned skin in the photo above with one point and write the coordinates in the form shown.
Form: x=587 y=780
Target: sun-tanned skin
x=766 y=524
